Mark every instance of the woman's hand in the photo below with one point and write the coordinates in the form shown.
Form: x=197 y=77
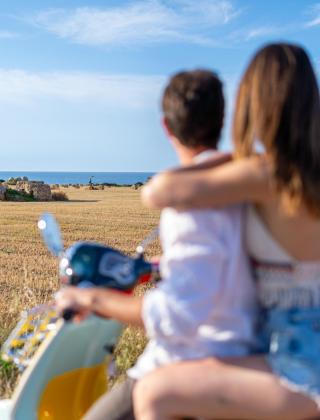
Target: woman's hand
x=156 y=194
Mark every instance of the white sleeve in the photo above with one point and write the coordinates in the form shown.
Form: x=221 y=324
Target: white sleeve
x=193 y=268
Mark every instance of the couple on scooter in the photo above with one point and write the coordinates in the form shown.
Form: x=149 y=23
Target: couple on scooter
x=206 y=306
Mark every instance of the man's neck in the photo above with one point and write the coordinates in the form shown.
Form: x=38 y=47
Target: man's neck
x=186 y=155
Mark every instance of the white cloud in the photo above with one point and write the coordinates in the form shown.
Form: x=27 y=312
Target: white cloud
x=8 y=35
x=314 y=13
x=263 y=31
x=266 y=31
x=127 y=91
x=142 y=22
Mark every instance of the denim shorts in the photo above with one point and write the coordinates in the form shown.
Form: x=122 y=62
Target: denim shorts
x=291 y=339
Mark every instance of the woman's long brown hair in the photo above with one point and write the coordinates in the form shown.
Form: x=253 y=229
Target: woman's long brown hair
x=278 y=104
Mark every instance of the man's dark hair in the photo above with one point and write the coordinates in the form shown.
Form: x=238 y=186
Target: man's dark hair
x=193 y=107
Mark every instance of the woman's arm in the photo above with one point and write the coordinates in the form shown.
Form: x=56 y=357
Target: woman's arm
x=228 y=183
x=106 y=303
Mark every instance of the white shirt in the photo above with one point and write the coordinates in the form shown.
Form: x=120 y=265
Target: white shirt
x=205 y=304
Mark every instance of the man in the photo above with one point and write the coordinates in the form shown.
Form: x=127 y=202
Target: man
x=204 y=305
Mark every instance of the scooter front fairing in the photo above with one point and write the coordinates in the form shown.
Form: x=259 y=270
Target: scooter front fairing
x=64 y=365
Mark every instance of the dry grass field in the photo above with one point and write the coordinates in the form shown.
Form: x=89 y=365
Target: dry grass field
x=28 y=273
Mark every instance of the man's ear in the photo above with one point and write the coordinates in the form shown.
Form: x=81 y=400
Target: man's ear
x=164 y=124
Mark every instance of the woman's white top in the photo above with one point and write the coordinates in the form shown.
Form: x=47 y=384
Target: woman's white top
x=260 y=243
x=282 y=281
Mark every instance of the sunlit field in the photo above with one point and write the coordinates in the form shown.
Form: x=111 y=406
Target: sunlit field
x=28 y=273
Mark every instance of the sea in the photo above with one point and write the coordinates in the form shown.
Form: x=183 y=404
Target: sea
x=120 y=178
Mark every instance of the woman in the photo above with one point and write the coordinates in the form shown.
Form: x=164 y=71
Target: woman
x=278 y=103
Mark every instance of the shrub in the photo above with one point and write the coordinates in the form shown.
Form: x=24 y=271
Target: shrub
x=60 y=196
x=137 y=185
x=13 y=195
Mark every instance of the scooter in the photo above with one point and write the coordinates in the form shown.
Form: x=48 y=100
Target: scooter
x=64 y=365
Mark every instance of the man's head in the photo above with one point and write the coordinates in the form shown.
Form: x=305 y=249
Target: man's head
x=193 y=108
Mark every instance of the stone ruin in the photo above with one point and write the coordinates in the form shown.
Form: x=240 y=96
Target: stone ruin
x=38 y=189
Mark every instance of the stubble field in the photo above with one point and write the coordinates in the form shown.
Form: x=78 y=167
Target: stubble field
x=28 y=273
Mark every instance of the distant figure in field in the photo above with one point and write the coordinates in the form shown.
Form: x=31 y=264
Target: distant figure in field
x=91 y=187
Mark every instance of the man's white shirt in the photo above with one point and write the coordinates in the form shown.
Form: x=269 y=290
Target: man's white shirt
x=205 y=304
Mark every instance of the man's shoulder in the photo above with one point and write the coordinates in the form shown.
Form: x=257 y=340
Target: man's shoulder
x=228 y=212
x=226 y=220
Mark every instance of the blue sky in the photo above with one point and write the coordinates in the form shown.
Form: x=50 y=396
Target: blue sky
x=80 y=81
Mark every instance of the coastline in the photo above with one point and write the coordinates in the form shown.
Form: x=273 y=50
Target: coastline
x=71 y=178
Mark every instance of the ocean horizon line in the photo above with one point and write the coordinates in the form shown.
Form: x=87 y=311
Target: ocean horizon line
x=78 y=172
x=80 y=177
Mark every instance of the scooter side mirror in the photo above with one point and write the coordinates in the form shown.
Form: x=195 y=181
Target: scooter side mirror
x=51 y=234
